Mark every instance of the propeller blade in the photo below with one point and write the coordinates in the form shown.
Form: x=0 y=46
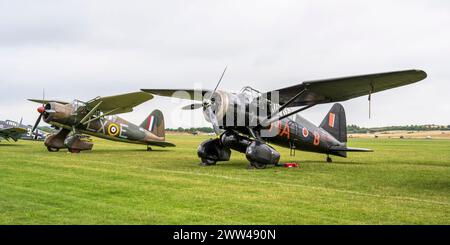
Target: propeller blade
x=192 y=106
x=36 y=125
x=217 y=85
x=213 y=119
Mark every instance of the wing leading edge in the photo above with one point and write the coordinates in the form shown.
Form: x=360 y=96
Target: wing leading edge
x=119 y=103
x=345 y=88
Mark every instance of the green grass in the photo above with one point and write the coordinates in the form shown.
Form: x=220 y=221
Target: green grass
x=402 y=182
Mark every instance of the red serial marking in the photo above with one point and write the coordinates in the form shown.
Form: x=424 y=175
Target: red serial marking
x=331 y=118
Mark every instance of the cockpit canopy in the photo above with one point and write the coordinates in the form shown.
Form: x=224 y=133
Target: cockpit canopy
x=76 y=104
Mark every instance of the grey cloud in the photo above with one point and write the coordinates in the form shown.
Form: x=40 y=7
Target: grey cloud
x=81 y=49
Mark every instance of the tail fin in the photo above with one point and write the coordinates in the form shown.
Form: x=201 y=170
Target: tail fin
x=155 y=123
x=335 y=123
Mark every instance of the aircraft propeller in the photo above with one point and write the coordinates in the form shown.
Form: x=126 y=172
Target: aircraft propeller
x=41 y=111
x=206 y=105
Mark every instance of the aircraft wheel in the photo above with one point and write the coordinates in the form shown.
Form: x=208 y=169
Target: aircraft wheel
x=52 y=149
x=207 y=162
x=74 y=150
x=149 y=148
x=258 y=165
x=329 y=160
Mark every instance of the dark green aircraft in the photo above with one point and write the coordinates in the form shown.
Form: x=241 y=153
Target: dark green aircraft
x=249 y=120
x=97 y=117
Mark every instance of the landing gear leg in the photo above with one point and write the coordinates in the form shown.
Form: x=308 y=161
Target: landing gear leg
x=329 y=160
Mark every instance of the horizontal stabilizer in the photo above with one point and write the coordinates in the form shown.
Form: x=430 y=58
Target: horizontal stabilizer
x=349 y=149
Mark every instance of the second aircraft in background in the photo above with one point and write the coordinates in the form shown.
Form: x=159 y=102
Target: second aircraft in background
x=98 y=117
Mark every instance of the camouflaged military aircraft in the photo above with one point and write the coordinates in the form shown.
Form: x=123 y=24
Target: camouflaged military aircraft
x=98 y=117
x=249 y=120
x=10 y=129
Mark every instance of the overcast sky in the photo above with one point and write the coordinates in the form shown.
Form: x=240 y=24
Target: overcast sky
x=83 y=49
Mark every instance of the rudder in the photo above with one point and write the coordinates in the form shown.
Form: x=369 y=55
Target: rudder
x=155 y=123
x=335 y=123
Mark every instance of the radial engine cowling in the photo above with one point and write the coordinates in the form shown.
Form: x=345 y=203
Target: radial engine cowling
x=262 y=153
x=226 y=106
x=56 y=112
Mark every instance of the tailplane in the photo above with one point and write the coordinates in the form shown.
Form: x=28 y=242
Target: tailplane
x=155 y=123
x=335 y=123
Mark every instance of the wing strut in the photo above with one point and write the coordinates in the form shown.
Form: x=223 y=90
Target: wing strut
x=90 y=113
x=269 y=120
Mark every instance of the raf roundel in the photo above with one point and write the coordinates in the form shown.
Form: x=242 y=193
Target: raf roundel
x=113 y=129
x=305 y=132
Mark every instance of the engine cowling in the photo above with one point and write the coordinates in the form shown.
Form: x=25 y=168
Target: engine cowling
x=57 y=112
x=230 y=109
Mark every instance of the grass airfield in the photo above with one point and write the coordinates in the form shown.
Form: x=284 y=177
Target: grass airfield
x=405 y=181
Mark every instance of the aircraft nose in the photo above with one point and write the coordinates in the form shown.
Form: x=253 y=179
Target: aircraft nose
x=41 y=109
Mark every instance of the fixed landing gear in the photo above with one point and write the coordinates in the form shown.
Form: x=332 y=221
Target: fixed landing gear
x=211 y=151
x=52 y=149
x=76 y=143
x=329 y=160
x=207 y=162
x=71 y=150
x=256 y=165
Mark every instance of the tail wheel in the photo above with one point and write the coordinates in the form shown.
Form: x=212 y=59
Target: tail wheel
x=258 y=165
x=52 y=149
x=207 y=162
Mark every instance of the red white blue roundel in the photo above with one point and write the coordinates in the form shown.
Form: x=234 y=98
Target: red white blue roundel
x=305 y=132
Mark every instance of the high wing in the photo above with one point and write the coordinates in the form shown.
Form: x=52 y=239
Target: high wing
x=13 y=133
x=47 y=101
x=345 y=88
x=192 y=94
x=117 y=104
